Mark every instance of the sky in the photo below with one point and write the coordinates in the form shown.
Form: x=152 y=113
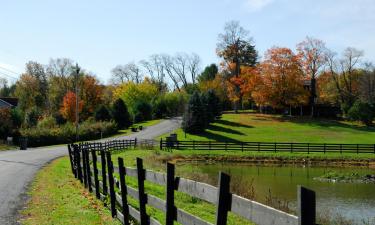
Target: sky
x=99 y=35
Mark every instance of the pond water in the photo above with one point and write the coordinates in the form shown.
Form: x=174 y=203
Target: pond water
x=354 y=201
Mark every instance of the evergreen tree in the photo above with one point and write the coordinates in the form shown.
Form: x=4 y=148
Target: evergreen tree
x=120 y=114
x=102 y=113
x=194 y=116
x=213 y=108
x=208 y=73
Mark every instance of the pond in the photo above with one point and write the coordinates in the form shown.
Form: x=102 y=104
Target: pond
x=353 y=201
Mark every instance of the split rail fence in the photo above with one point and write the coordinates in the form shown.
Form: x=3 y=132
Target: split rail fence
x=268 y=146
x=94 y=167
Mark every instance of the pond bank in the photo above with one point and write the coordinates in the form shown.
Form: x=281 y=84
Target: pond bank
x=268 y=160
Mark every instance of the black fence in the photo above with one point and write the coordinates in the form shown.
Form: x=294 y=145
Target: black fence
x=94 y=167
x=268 y=146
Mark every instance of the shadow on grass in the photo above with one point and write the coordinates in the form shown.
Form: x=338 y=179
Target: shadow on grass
x=217 y=137
x=233 y=124
x=327 y=123
x=224 y=130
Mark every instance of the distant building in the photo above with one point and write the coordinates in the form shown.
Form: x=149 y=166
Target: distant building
x=8 y=103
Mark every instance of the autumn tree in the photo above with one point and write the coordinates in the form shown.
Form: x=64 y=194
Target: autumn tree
x=236 y=48
x=312 y=54
x=68 y=108
x=91 y=92
x=27 y=92
x=345 y=74
x=281 y=80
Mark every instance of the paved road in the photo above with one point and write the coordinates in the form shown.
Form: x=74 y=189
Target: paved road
x=18 y=168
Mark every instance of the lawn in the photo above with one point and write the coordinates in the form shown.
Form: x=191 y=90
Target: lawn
x=58 y=198
x=6 y=147
x=144 y=124
x=275 y=128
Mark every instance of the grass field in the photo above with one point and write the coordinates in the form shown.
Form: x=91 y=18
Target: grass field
x=275 y=128
x=58 y=198
x=6 y=147
x=144 y=124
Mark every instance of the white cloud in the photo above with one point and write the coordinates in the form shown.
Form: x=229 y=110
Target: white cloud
x=256 y=5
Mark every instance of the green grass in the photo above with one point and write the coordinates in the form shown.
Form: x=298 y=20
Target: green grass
x=275 y=128
x=4 y=147
x=144 y=124
x=58 y=198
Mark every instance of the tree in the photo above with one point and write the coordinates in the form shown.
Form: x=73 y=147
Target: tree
x=68 y=108
x=345 y=75
x=91 y=92
x=362 y=111
x=126 y=73
x=194 y=62
x=27 y=91
x=367 y=84
x=156 y=70
x=236 y=49
x=281 y=80
x=312 y=54
x=194 y=116
x=143 y=112
x=37 y=70
x=120 y=114
x=102 y=113
x=209 y=73
x=6 y=123
x=211 y=104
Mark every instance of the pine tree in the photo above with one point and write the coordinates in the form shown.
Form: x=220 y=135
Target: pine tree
x=120 y=114
x=194 y=119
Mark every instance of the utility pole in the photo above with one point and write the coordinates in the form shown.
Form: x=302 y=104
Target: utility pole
x=77 y=100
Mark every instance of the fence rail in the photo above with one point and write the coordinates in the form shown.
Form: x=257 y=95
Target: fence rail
x=268 y=146
x=101 y=181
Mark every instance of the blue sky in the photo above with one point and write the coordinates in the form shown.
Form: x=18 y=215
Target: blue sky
x=102 y=34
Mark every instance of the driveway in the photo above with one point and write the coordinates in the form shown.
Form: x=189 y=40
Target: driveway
x=18 y=168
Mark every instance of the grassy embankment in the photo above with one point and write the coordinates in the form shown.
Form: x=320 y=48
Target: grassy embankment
x=274 y=128
x=144 y=124
x=58 y=198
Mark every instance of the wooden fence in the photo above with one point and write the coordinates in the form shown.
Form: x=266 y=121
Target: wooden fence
x=103 y=183
x=268 y=146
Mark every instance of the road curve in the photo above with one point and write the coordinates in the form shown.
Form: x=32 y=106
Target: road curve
x=18 y=168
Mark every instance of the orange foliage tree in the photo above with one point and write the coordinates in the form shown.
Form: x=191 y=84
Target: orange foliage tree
x=278 y=80
x=91 y=94
x=68 y=108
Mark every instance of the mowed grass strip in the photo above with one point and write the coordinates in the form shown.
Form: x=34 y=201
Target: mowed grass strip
x=58 y=198
x=276 y=128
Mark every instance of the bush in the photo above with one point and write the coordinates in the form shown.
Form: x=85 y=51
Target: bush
x=102 y=113
x=32 y=117
x=361 y=111
x=6 y=123
x=47 y=122
x=142 y=112
x=194 y=116
x=66 y=133
x=159 y=108
x=120 y=114
x=175 y=102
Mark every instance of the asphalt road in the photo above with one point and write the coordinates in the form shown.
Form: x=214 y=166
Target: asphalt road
x=18 y=168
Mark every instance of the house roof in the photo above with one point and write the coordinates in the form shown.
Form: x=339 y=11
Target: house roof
x=11 y=102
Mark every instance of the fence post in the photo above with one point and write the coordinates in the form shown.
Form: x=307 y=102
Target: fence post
x=71 y=160
x=357 y=148
x=209 y=145
x=171 y=209
x=96 y=179
x=340 y=148
x=104 y=171
x=275 y=147
x=324 y=148
x=242 y=146
x=291 y=147
x=374 y=148
x=125 y=207
x=84 y=167
x=223 y=199
x=193 y=145
x=161 y=143
x=141 y=192
x=88 y=169
x=78 y=162
x=306 y=206
x=225 y=145
x=308 y=148
x=135 y=143
x=258 y=146
x=111 y=182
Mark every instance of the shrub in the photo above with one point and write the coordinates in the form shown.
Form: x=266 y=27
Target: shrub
x=32 y=117
x=142 y=112
x=175 y=102
x=120 y=114
x=194 y=116
x=66 y=133
x=6 y=123
x=159 y=108
x=102 y=113
x=47 y=122
x=361 y=111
